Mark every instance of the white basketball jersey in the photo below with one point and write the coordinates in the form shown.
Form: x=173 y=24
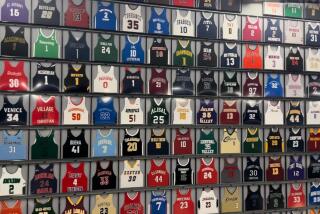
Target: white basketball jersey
x=105 y=82
x=208 y=203
x=230 y=142
x=131 y=175
x=76 y=114
x=182 y=113
x=293 y=32
x=12 y=183
x=313 y=115
x=230 y=28
x=104 y=203
x=313 y=60
x=132 y=19
x=273 y=8
x=183 y=24
x=273 y=115
x=273 y=59
x=132 y=112
x=294 y=86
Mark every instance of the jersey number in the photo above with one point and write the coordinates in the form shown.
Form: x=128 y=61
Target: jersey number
x=158 y=119
x=132 y=147
x=76 y=116
x=133 y=24
x=14 y=83
x=12 y=117
x=14 y=12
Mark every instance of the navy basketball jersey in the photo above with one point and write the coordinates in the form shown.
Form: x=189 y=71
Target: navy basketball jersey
x=275 y=198
x=77 y=48
x=207 y=4
x=132 y=82
x=105 y=18
x=183 y=84
x=253 y=171
x=46 y=13
x=13 y=113
x=206 y=27
x=314 y=194
x=314 y=167
x=105 y=112
x=295 y=168
x=158 y=144
x=46 y=79
x=295 y=142
x=313 y=34
x=158 y=203
x=207 y=84
x=230 y=57
x=206 y=113
x=44 y=180
x=252 y=114
x=273 y=86
x=273 y=31
x=158 y=22
x=207 y=56
x=132 y=52
x=254 y=200
x=75 y=146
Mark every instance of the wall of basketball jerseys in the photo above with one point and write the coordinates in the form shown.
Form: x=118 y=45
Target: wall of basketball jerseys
x=178 y=106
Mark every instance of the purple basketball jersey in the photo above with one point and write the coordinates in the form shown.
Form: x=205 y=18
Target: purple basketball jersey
x=14 y=11
x=295 y=169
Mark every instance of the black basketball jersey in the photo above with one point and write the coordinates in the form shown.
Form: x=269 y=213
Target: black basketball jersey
x=253 y=171
x=230 y=85
x=14 y=43
x=104 y=178
x=44 y=180
x=231 y=5
x=314 y=167
x=207 y=4
x=158 y=113
x=76 y=79
x=206 y=27
x=313 y=34
x=207 y=84
x=274 y=141
x=252 y=114
x=254 y=200
x=13 y=113
x=295 y=142
x=313 y=86
x=230 y=57
x=159 y=52
x=275 y=198
x=183 y=173
x=46 y=79
x=294 y=61
x=132 y=144
x=183 y=84
x=312 y=10
x=77 y=49
x=132 y=82
x=46 y=13
x=158 y=144
x=294 y=116
x=207 y=56
x=75 y=146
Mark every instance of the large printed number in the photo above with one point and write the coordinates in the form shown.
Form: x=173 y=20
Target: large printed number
x=183 y=30
x=184 y=205
x=75 y=149
x=132 y=178
x=183 y=144
x=294 y=119
x=76 y=116
x=314 y=38
x=252 y=91
x=46 y=14
x=133 y=24
x=132 y=118
x=105 y=50
x=132 y=147
x=229 y=116
x=75 y=182
x=104 y=210
x=207 y=175
x=12 y=117
x=11 y=189
x=12 y=149
x=14 y=83
x=14 y=12
x=253 y=172
x=158 y=179
x=230 y=61
x=275 y=171
x=158 y=119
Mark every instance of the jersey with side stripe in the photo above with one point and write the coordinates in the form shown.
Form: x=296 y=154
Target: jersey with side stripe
x=132 y=112
x=105 y=49
x=230 y=172
x=230 y=57
x=275 y=171
x=252 y=86
x=294 y=60
x=15 y=11
x=182 y=143
x=253 y=171
x=252 y=143
x=208 y=202
x=158 y=203
x=231 y=200
x=12 y=146
x=106 y=80
x=158 y=113
x=46 y=79
x=274 y=141
x=76 y=79
x=13 y=77
x=207 y=56
x=182 y=84
x=76 y=14
x=103 y=203
x=44 y=147
x=132 y=20
x=183 y=173
x=45 y=112
x=131 y=176
x=206 y=113
x=105 y=17
x=12 y=183
x=132 y=144
x=295 y=86
x=295 y=168
x=132 y=51
x=314 y=167
x=46 y=46
x=158 y=175
x=75 y=179
x=76 y=112
x=159 y=53
x=254 y=200
x=105 y=112
x=75 y=145
x=207 y=173
x=295 y=142
x=184 y=202
x=104 y=144
x=104 y=178
x=77 y=48
x=182 y=113
x=313 y=86
x=231 y=5
x=229 y=113
x=13 y=113
x=158 y=22
x=295 y=115
x=207 y=27
x=207 y=84
x=183 y=55
x=273 y=31
x=275 y=198
x=158 y=83
x=14 y=43
x=158 y=144
x=44 y=180
x=132 y=82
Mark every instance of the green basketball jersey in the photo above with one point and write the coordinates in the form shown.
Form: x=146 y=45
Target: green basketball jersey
x=44 y=147
x=46 y=46
x=293 y=10
x=105 y=50
x=253 y=143
x=207 y=144
x=183 y=55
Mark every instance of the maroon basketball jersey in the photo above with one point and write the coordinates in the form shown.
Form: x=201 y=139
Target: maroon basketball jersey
x=252 y=86
x=158 y=83
x=229 y=113
x=182 y=143
x=76 y=15
x=314 y=140
x=275 y=171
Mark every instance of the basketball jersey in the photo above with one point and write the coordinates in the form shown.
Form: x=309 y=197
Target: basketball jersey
x=105 y=17
x=207 y=173
x=182 y=143
x=158 y=175
x=252 y=86
x=182 y=113
x=296 y=197
x=13 y=78
x=76 y=14
x=159 y=53
x=132 y=144
x=295 y=86
x=105 y=49
x=273 y=31
x=207 y=84
x=252 y=58
x=183 y=174
x=105 y=112
x=312 y=61
x=230 y=172
x=44 y=147
x=229 y=113
x=274 y=171
x=132 y=112
x=13 y=113
x=45 y=207
x=46 y=13
x=14 y=11
x=231 y=5
x=273 y=86
x=253 y=171
x=158 y=83
x=77 y=48
x=313 y=87
x=207 y=56
x=312 y=36
x=274 y=141
x=294 y=60
x=207 y=143
x=5 y=208
x=230 y=142
x=230 y=27
x=208 y=202
x=104 y=178
x=184 y=203
x=105 y=81
x=45 y=112
x=273 y=115
x=131 y=176
x=295 y=115
x=76 y=113
x=312 y=10
x=133 y=52
x=313 y=114
x=14 y=42
x=294 y=32
x=183 y=84
x=104 y=204
x=158 y=22
x=230 y=85
x=13 y=146
x=132 y=82
x=163 y=2
x=231 y=201
x=158 y=144
x=75 y=146
x=254 y=200
x=273 y=59
x=230 y=57
x=314 y=194
x=295 y=142
x=104 y=145
x=158 y=203
x=46 y=79
x=183 y=24
x=75 y=179
x=206 y=113
x=46 y=46
x=207 y=4
x=12 y=183
x=293 y=10
x=132 y=20
x=44 y=180
x=76 y=79
x=252 y=114
x=314 y=140
x=158 y=113
x=313 y=211
x=207 y=27
x=252 y=143
x=74 y=208
x=183 y=56
x=295 y=168
x=184 y=3
x=252 y=30
x=132 y=204
x=314 y=167
x=275 y=198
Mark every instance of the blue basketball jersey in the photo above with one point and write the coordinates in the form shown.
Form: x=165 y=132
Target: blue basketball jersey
x=314 y=194
x=104 y=145
x=105 y=112
x=158 y=203
x=158 y=23
x=273 y=87
x=132 y=52
x=206 y=27
x=13 y=146
x=105 y=18
x=295 y=169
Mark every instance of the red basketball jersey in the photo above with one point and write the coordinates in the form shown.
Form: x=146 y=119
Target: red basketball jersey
x=252 y=30
x=182 y=143
x=207 y=173
x=183 y=204
x=158 y=174
x=230 y=113
x=75 y=179
x=183 y=3
x=314 y=140
x=252 y=58
x=132 y=205
x=45 y=112
x=275 y=171
x=76 y=15
x=296 y=197
x=13 y=78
